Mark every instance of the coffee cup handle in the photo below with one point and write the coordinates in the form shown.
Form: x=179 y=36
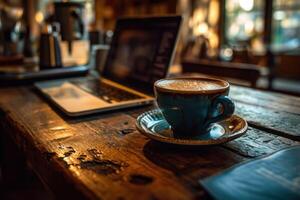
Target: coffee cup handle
x=227 y=106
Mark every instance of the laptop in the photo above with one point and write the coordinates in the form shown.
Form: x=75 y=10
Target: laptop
x=140 y=53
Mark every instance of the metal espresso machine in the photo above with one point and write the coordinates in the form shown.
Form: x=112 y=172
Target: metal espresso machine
x=63 y=45
x=74 y=42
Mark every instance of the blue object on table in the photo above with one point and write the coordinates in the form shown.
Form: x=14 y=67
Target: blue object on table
x=191 y=113
x=269 y=178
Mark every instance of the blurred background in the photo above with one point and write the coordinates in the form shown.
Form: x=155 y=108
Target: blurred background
x=262 y=35
x=254 y=43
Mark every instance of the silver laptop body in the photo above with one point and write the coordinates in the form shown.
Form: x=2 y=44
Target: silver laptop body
x=140 y=53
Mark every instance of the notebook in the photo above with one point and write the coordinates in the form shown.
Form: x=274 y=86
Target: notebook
x=273 y=177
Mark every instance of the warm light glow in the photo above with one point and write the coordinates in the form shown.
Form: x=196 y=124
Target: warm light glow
x=199 y=15
x=234 y=29
x=246 y=5
x=213 y=39
x=279 y=15
x=249 y=27
x=15 y=12
x=203 y=28
x=213 y=14
x=258 y=45
x=197 y=22
x=227 y=52
x=39 y=17
x=231 y=5
x=191 y=23
x=290 y=23
x=203 y=23
x=259 y=25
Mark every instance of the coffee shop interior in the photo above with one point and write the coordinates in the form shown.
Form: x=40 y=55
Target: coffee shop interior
x=253 y=45
x=263 y=35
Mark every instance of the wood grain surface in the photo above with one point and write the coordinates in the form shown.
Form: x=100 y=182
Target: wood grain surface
x=104 y=157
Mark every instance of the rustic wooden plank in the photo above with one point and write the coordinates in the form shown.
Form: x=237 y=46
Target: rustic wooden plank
x=277 y=116
x=275 y=101
x=258 y=143
x=277 y=122
x=254 y=143
x=103 y=156
x=99 y=158
x=72 y=154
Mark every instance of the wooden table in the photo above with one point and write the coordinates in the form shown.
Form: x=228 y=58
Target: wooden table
x=104 y=156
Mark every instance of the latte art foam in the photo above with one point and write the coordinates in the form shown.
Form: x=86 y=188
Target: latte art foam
x=190 y=85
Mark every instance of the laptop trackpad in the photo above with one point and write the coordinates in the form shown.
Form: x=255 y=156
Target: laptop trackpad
x=70 y=97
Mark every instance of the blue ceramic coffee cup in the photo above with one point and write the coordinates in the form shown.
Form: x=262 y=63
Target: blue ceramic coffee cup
x=190 y=105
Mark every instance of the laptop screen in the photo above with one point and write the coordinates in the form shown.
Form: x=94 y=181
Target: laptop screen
x=141 y=51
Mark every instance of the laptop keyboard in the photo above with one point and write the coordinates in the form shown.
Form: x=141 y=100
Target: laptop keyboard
x=105 y=91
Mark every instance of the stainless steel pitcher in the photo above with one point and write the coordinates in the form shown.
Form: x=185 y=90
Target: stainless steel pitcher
x=50 y=53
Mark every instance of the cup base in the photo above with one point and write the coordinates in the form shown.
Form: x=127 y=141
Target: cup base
x=203 y=133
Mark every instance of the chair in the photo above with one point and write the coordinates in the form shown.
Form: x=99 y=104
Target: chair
x=238 y=71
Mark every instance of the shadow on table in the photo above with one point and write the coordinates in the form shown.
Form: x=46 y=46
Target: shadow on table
x=189 y=164
x=201 y=161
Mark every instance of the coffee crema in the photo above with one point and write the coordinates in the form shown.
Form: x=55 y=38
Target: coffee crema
x=190 y=84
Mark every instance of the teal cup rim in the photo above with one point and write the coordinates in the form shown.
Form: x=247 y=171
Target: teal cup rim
x=223 y=86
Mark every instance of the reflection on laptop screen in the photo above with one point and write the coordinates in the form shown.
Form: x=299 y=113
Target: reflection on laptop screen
x=141 y=51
